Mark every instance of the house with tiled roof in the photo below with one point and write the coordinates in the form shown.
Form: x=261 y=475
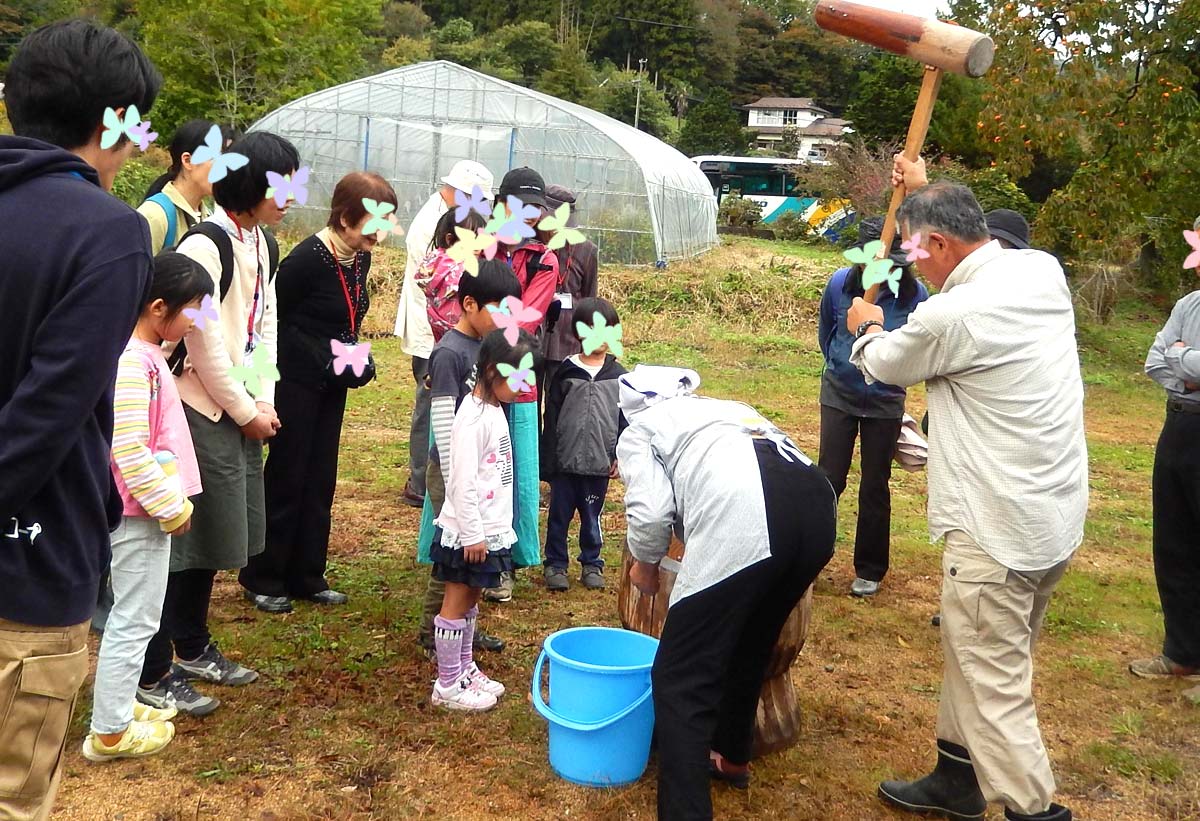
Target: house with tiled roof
x=817 y=128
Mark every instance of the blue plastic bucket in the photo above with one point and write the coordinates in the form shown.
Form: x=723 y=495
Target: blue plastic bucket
x=600 y=712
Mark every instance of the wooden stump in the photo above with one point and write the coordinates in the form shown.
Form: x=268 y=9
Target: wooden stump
x=777 y=724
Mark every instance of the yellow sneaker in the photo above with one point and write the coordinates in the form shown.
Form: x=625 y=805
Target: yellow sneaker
x=141 y=739
x=144 y=712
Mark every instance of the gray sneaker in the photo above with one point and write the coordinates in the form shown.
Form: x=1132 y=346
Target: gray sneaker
x=556 y=579
x=863 y=588
x=213 y=666
x=502 y=592
x=174 y=691
x=592 y=577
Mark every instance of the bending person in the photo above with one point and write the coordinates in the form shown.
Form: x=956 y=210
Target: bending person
x=758 y=518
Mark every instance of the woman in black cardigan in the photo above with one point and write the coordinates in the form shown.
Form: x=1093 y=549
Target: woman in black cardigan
x=322 y=291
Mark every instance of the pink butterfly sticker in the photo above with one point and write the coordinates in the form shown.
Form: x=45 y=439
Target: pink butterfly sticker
x=353 y=357
x=142 y=134
x=509 y=316
x=1193 y=259
x=204 y=314
x=913 y=246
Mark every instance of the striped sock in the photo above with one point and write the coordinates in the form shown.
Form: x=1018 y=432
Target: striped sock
x=468 y=638
x=448 y=638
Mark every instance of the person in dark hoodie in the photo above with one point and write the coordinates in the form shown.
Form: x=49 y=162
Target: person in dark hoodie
x=70 y=300
x=579 y=448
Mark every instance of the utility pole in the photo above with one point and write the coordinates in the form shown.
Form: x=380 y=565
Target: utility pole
x=637 y=106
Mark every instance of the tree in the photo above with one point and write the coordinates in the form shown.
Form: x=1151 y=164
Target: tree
x=530 y=48
x=405 y=20
x=1113 y=84
x=405 y=51
x=236 y=63
x=618 y=99
x=569 y=77
x=713 y=127
x=886 y=94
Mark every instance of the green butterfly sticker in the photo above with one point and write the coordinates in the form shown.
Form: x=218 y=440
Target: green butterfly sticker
x=520 y=378
x=260 y=370
x=875 y=271
x=599 y=334
x=558 y=225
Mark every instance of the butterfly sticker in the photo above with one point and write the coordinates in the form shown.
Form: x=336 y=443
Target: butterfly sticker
x=875 y=271
x=354 y=357
x=382 y=219
x=915 y=252
x=515 y=227
x=599 y=334
x=284 y=187
x=520 y=378
x=465 y=204
x=260 y=370
x=222 y=163
x=131 y=126
x=470 y=244
x=204 y=314
x=558 y=225
x=1193 y=259
x=509 y=316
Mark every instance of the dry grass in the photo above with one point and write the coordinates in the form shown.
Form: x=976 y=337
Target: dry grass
x=339 y=726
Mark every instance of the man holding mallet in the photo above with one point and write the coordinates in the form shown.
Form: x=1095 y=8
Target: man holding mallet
x=1007 y=487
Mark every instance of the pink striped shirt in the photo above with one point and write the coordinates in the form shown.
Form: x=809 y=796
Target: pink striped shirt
x=149 y=419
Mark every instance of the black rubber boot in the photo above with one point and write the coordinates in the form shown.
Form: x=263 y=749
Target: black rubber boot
x=1057 y=812
x=951 y=789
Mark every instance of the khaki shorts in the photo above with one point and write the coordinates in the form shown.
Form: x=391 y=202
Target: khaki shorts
x=41 y=669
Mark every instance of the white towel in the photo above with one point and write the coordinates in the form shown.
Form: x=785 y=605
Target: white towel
x=648 y=385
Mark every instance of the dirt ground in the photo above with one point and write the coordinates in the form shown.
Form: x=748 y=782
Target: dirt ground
x=339 y=726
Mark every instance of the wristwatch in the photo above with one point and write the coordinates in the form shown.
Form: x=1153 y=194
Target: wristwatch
x=862 y=329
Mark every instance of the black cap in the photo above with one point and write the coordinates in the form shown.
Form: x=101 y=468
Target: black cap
x=871 y=229
x=526 y=185
x=1009 y=226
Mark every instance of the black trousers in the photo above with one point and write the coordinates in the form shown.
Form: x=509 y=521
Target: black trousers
x=716 y=643
x=299 y=480
x=1176 y=496
x=569 y=493
x=877 y=446
x=184 y=627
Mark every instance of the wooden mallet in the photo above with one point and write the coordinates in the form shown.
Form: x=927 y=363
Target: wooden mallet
x=941 y=46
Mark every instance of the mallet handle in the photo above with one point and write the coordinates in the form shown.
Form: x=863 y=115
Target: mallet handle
x=918 y=130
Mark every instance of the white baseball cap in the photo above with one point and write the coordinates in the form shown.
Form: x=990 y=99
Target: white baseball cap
x=466 y=174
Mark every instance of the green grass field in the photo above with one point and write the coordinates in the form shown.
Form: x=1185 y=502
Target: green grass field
x=340 y=727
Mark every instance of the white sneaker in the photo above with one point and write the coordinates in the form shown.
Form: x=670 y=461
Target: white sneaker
x=462 y=696
x=480 y=680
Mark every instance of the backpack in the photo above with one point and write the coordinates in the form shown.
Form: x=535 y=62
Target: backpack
x=442 y=307
x=224 y=244
x=164 y=202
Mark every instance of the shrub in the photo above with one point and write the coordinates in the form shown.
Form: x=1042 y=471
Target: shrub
x=739 y=212
x=791 y=226
x=136 y=175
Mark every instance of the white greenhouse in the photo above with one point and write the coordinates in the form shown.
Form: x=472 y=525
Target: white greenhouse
x=639 y=199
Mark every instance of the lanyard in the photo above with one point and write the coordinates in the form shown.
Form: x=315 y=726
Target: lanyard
x=351 y=305
x=257 y=290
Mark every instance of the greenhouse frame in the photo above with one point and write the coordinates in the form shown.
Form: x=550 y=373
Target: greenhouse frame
x=639 y=199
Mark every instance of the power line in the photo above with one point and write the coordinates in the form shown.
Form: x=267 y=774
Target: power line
x=655 y=23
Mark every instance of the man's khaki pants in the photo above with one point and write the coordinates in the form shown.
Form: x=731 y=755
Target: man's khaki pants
x=991 y=617
x=41 y=669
